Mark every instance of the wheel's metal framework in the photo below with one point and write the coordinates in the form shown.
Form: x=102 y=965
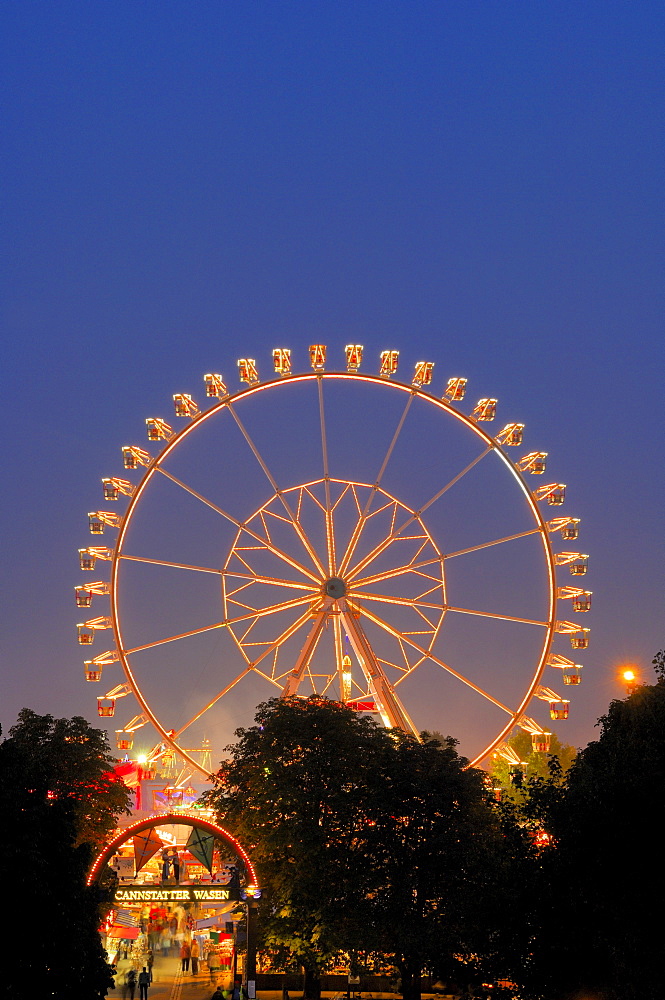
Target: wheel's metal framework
x=330 y=588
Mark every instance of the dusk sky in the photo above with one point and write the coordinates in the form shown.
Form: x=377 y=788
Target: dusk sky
x=477 y=184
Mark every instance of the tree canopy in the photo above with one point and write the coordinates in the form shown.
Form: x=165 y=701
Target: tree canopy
x=299 y=788
x=593 y=925
x=59 y=799
x=365 y=838
x=445 y=868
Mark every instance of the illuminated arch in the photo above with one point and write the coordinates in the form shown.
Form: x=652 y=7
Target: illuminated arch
x=171 y=819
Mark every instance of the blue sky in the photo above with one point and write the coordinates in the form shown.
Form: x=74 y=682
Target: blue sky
x=479 y=184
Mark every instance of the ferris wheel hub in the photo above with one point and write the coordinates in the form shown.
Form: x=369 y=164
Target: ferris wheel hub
x=334 y=587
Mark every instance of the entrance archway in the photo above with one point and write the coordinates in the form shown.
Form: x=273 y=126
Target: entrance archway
x=213 y=892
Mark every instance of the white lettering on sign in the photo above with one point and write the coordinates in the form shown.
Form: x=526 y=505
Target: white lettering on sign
x=132 y=895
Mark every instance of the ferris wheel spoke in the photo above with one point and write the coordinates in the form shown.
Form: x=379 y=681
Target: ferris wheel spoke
x=266 y=546
x=326 y=687
x=503 y=618
x=268 y=678
x=253 y=613
x=213 y=701
x=456 y=479
x=437 y=496
x=246 y=572
x=355 y=535
x=362 y=520
x=166 y=562
x=271 y=580
x=330 y=532
x=404 y=637
x=404 y=601
x=391 y=448
x=270 y=609
x=348 y=487
x=488 y=545
x=276 y=643
x=287 y=633
x=242 y=560
x=438 y=585
x=278 y=493
x=389 y=574
x=422 y=546
x=284 y=556
x=433 y=628
x=306 y=492
x=276 y=516
x=175 y=638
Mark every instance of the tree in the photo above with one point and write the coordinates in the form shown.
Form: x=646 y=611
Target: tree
x=59 y=799
x=365 y=838
x=300 y=790
x=446 y=868
x=537 y=764
x=595 y=929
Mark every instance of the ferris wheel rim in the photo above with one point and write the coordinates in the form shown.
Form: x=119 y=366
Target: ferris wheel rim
x=492 y=445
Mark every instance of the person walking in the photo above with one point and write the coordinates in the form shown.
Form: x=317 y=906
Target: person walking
x=185 y=953
x=213 y=965
x=218 y=994
x=150 y=960
x=144 y=983
x=195 y=951
x=130 y=983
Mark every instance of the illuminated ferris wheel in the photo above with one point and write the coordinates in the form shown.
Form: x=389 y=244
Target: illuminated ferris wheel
x=339 y=533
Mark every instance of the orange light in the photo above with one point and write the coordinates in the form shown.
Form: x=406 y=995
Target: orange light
x=168 y=819
x=629 y=676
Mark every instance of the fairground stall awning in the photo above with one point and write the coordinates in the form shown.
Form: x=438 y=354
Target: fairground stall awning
x=128 y=933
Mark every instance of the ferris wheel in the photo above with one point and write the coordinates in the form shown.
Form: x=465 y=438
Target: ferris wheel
x=341 y=533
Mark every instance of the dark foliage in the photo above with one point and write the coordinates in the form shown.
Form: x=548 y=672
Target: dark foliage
x=446 y=878
x=366 y=839
x=59 y=801
x=299 y=791
x=594 y=927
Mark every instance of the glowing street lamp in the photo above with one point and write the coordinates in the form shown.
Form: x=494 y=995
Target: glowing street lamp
x=629 y=678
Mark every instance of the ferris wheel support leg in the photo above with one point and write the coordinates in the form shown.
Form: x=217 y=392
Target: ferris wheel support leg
x=391 y=709
x=306 y=653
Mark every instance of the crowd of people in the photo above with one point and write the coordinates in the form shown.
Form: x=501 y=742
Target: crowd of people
x=196 y=957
